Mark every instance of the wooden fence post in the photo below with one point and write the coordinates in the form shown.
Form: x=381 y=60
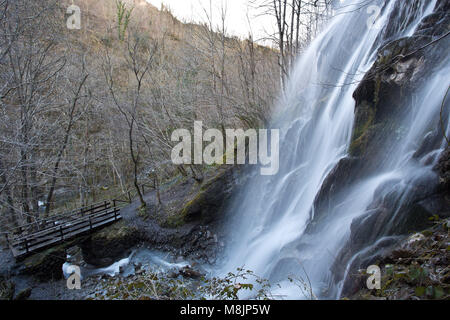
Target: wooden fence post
x=26 y=245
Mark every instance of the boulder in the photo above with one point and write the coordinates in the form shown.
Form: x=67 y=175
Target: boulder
x=106 y=246
x=45 y=266
x=7 y=289
x=24 y=294
x=335 y=183
x=207 y=204
x=443 y=169
x=188 y=272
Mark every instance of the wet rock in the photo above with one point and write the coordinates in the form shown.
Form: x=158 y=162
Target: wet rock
x=429 y=143
x=188 y=272
x=401 y=254
x=381 y=99
x=140 y=272
x=173 y=274
x=413 y=268
x=75 y=256
x=443 y=169
x=7 y=289
x=137 y=266
x=46 y=265
x=24 y=294
x=106 y=277
x=208 y=203
x=109 y=245
x=336 y=182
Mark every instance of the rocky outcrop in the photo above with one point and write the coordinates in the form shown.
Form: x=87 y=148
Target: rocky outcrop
x=383 y=99
x=45 y=266
x=109 y=245
x=414 y=268
x=333 y=186
x=7 y=288
x=23 y=294
x=208 y=203
x=191 y=217
x=443 y=169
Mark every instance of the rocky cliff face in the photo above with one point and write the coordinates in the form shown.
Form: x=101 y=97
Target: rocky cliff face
x=383 y=99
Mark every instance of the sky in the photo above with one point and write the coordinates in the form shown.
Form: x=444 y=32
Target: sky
x=239 y=12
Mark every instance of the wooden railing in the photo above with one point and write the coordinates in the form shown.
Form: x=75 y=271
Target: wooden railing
x=57 y=229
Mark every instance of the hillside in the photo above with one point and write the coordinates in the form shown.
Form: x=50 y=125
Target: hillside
x=186 y=72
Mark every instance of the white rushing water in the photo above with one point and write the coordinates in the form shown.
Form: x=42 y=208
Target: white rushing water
x=150 y=260
x=316 y=116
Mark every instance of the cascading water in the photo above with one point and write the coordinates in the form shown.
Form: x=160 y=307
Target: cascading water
x=268 y=229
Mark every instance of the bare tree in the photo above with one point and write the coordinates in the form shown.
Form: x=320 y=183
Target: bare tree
x=294 y=18
x=139 y=60
x=31 y=70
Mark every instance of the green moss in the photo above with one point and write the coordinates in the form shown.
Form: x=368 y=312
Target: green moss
x=116 y=231
x=143 y=213
x=376 y=94
x=366 y=116
x=174 y=221
x=178 y=219
x=7 y=289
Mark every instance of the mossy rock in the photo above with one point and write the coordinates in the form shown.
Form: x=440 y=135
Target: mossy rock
x=383 y=97
x=46 y=265
x=24 y=294
x=109 y=244
x=7 y=289
x=443 y=169
x=207 y=202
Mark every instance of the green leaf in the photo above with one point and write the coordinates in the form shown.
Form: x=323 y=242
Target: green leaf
x=420 y=291
x=438 y=292
x=430 y=291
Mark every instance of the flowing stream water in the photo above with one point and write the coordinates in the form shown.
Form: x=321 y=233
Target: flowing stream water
x=315 y=116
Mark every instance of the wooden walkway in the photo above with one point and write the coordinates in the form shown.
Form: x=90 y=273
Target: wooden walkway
x=46 y=233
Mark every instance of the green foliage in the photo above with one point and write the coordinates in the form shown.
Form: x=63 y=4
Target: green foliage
x=231 y=286
x=430 y=292
x=417 y=274
x=154 y=285
x=123 y=18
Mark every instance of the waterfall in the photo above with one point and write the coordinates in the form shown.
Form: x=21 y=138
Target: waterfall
x=268 y=229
